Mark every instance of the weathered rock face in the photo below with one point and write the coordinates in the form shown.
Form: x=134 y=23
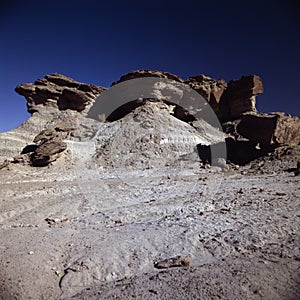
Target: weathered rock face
x=255 y=135
x=258 y=128
x=49 y=146
x=227 y=101
x=266 y=129
x=233 y=103
x=58 y=91
x=240 y=97
x=287 y=129
x=209 y=88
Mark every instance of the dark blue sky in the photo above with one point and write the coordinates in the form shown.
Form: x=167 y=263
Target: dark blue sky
x=97 y=42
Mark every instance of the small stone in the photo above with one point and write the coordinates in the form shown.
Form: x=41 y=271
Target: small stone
x=280 y=194
x=177 y=261
x=297 y=171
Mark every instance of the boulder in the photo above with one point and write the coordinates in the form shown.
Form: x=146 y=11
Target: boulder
x=46 y=135
x=265 y=129
x=287 y=130
x=254 y=135
x=49 y=144
x=47 y=152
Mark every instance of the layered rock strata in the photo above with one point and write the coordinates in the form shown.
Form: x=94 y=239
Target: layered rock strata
x=57 y=96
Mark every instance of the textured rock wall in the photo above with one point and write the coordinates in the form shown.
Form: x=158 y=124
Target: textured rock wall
x=62 y=92
x=210 y=89
x=240 y=97
x=57 y=96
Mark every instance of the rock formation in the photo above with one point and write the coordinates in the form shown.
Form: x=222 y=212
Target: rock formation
x=58 y=91
x=125 y=208
x=49 y=100
x=49 y=145
x=233 y=103
x=210 y=89
x=240 y=97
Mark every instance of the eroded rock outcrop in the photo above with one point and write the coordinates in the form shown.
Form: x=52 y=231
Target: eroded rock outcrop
x=261 y=133
x=235 y=106
x=251 y=134
x=58 y=91
x=228 y=101
x=240 y=97
x=49 y=145
x=287 y=130
x=274 y=128
x=210 y=89
x=150 y=137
